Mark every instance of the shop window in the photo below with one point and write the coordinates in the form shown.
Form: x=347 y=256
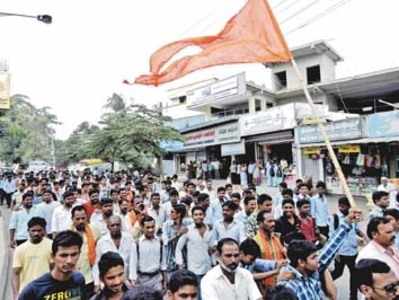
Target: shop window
x=281 y=79
x=258 y=105
x=182 y=99
x=313 y=74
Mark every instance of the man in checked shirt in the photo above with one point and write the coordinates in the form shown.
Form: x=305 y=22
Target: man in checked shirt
x=306 y=265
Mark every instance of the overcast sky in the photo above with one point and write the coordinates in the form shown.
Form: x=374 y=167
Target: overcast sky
x=77 y=62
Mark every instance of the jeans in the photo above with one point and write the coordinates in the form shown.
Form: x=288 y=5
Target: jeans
x=349 y=261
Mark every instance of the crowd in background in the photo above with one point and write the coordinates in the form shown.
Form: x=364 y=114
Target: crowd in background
x=91 y=235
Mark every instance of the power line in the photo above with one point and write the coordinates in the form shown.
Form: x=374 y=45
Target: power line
x=326 y=12
x=280 y=3
x=283 y=9
x=303 y=9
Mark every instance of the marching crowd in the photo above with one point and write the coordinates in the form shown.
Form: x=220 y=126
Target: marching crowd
x=127 y=236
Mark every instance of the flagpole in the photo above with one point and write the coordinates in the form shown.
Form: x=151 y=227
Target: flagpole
x=323 y=131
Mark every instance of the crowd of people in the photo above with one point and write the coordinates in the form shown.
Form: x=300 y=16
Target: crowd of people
x=128 y=236
x=244 y=173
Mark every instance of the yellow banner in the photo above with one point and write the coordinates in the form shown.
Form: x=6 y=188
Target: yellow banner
x=311 y=120
x=349 y=149
x=311 y=151
x=4 y=90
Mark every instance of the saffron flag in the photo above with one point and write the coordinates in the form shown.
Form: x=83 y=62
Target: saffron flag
x=251 y=36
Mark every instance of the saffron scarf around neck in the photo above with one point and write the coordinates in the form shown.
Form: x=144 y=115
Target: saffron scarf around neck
x=91 y=244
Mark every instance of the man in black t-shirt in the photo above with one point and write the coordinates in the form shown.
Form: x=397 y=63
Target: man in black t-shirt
x=61 y=282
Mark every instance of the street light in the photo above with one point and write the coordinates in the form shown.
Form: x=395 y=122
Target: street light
x=395 y=106
x=47 y=19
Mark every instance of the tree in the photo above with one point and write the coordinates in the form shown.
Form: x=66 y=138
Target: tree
x=78 y=144
x=131 y=134
x=27 y=131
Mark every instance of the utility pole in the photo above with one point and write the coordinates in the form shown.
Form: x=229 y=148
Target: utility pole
x=53 y=150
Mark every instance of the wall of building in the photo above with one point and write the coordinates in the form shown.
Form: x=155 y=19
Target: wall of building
x=327 y=70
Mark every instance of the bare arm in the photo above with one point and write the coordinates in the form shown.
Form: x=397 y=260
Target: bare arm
x=12 y=238
x=263 y=275
x=15 y=281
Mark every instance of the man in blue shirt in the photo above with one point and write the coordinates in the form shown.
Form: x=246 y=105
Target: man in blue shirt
x=18 y=225
x=348 y=252
x=319 y=209
x=307 y=266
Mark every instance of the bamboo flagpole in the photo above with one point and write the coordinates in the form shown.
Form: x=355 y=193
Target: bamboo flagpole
x=323 y=131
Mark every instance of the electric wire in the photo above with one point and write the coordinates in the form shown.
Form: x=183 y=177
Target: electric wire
x=318 y=16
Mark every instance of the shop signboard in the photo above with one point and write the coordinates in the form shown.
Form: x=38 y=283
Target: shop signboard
x=349 y=149
x=311 y=151
x=384 y=124
x=274 y=119
x=228 y=133
x=233 y=149
x=336 y=131
x=200 y=138
x=232 y=86
x=172 y=146
x=4 y=90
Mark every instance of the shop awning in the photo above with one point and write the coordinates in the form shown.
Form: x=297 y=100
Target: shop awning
x=277 y=142
x=272 y=138
x=359 y=141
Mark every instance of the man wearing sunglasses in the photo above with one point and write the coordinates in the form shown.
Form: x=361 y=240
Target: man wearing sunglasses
x=376 y=281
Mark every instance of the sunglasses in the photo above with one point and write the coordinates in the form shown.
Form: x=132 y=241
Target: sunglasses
x=390 y=288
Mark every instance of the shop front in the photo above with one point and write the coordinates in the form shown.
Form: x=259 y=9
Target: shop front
x=270 y=133
x=362 y=163
x=383 y=134
x=210 y=145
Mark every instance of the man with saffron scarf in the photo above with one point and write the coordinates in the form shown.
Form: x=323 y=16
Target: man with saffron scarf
x=90 y=235
x=269 y=242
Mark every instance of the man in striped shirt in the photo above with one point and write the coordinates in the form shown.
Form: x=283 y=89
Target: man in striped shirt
x=307 y=266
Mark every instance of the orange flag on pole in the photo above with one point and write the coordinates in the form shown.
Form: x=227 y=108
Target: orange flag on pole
x=251 y=36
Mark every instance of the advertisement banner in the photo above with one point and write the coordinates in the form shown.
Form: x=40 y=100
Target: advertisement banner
x=232 y=86
x=200 y=138
x=233 y=149
x=349 y=149
x=274 y=119
x=311 y=151
x=337 y=131
x=384 y=124
x=4 y=90
x=223 y=134
x=228 y=133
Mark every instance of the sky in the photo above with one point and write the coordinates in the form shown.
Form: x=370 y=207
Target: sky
x=76 y=63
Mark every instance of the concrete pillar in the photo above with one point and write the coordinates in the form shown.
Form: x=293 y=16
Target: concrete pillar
x=251 y=105
x=263 y=104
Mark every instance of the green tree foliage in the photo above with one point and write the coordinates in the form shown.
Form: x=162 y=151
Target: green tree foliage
x=26 y=131
x=129 y=134
x=78 y=145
